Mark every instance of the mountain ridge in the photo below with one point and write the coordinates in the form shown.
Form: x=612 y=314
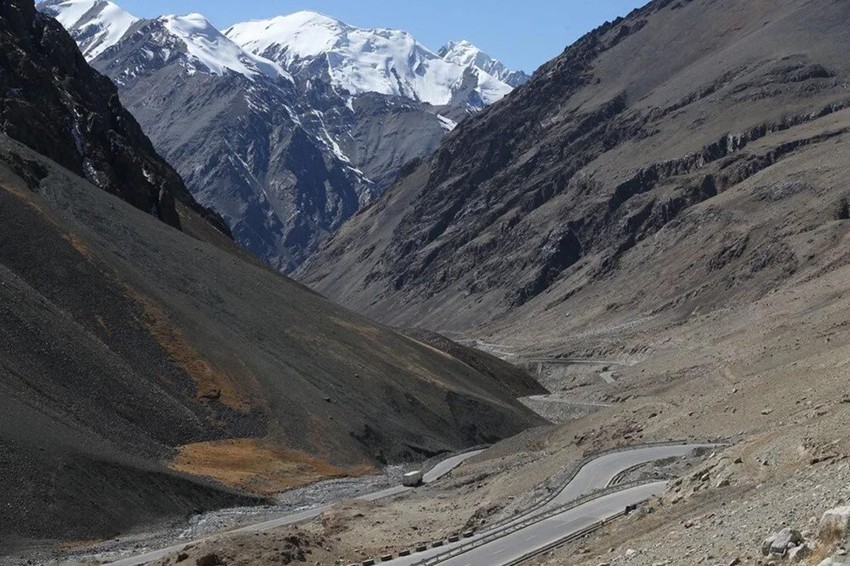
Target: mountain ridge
x=359 y=60
x=465 y=53
x=131 y=349
x=292 y=155
x=533 y=204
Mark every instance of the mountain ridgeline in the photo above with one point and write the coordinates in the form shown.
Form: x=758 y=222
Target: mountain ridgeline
x=596 y=173
x=55 y=103
x=140 y=363
x=286 y=127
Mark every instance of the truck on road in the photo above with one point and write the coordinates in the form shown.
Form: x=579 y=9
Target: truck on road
x=412 y=479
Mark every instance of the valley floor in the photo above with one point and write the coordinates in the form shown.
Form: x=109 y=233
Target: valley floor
x=768 y=377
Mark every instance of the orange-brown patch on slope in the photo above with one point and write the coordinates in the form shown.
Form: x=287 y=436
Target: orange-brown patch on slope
x=213 y=383
x=368 y=332
x=257 y=466
x=78 y=244
x=17 y=188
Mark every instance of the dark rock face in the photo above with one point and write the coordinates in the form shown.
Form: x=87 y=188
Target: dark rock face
x=262 y=151
x=285 y=162
x=242 y=150
x=52 y=101
x=604 y=147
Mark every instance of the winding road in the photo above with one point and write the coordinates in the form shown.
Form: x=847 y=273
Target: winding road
x=542 y=527
x=508 y=542
x=435 y=473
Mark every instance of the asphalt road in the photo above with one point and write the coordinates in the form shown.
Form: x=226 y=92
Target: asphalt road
x=549 y=531
x=574 y=361
x=434 y=474
x=594 y=476
x=555 y=398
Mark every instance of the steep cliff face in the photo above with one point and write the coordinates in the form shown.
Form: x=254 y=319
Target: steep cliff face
x=543 y=193
x=52 y=101
x=241 y=145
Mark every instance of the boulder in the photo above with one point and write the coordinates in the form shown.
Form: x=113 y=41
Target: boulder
x=799 y=553
x=767 y=544
x=835 y=522
x=785 y=540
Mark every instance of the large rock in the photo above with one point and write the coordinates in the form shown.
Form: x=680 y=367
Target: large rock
x=834 y=523
x=799 y=553
x=785 y=540
x=767 y=544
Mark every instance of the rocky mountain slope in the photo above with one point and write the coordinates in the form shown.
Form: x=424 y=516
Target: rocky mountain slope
x=140 y=363
x=282 y=145
x=55 y=103
x=601 y=172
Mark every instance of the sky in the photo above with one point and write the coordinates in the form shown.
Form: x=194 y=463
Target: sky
x=524 y=34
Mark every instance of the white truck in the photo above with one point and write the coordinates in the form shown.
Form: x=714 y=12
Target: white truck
x=412 y=479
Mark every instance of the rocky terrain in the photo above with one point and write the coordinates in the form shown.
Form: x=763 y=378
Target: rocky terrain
x=149 y=373
x=263 y=129
x=56 y=104
x=542 y=200
x=681 y=223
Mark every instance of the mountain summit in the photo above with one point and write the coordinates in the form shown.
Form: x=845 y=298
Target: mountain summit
x=466 y=54
x=286 y=127
x=95 y=25
x=383 y=61
x=205 y=45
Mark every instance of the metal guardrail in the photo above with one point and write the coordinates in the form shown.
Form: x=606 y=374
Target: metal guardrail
x=527 y=516
x=534 y=519
x=566 y=540
x=573 y=472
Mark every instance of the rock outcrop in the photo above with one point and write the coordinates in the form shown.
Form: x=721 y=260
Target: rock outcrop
x=53 y=102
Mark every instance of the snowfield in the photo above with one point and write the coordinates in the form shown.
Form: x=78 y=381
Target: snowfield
x=359 y=60
x=214 y=51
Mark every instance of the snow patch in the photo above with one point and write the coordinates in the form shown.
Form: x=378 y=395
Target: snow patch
x=208 y=46
x=447 y=124
x=97 y=24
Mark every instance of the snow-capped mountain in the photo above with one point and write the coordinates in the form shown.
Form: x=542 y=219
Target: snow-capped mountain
x=95 y=25
x=285 y=128
x=209 y=48
x=466 y=54
x=383 y=61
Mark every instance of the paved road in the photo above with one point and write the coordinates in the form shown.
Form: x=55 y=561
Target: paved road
x=431 y=476
x=594 y=476
x=554 y=398
x=549 y=531
x=573 y=361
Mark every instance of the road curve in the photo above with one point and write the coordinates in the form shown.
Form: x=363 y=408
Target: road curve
x=593 y=476
x=550 y=531
x=434 y=474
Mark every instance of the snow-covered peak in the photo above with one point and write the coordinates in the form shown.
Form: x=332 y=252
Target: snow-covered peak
x=466 y=54
x=288 y=38
x=215 y=52
x=95 y=24
x=360 y=60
